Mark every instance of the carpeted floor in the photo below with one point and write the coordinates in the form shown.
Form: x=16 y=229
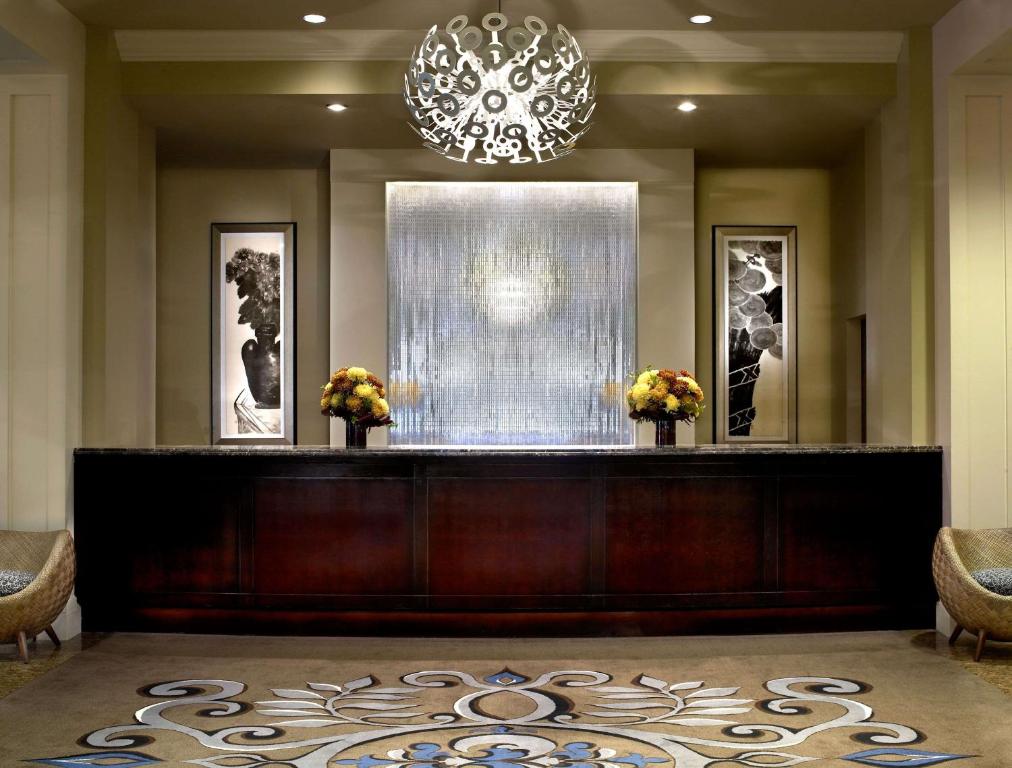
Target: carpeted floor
x=43 y=657
x=995 y=666
x=880 y=699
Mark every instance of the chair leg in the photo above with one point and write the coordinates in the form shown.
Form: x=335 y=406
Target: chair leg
x=981 y=639
x=52 y=635
x=955 y=634
x=23 y=646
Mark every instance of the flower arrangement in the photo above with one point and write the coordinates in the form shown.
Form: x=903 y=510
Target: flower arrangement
x=664 y=395
x=357 y=396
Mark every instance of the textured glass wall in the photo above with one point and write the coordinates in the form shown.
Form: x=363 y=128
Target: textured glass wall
x=512 y=312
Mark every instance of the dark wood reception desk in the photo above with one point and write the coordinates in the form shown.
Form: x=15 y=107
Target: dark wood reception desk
x=604 y=541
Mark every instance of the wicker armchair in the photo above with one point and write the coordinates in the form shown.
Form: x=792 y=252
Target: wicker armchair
x=957 y=554
x=25 y=614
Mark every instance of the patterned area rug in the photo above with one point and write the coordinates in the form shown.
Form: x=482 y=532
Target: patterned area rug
x=875 y=700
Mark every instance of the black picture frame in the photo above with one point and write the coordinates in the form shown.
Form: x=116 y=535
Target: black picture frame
x=725 y=430
x=247 y=416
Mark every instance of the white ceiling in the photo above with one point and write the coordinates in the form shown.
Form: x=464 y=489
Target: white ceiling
x=811 y=15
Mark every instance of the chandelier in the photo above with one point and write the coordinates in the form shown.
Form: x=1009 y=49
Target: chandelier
x=496 y=93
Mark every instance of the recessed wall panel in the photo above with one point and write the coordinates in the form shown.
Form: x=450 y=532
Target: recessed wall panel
x=512 y=310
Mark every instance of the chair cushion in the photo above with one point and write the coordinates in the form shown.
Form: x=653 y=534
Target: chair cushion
x=14 y=581
x=997 y=580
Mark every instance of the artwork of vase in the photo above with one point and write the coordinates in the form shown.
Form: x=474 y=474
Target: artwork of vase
x=252 y=352
x=262 y=360
x=257 y=276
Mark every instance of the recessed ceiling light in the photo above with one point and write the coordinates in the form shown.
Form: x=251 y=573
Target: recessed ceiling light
x=314 y=18
x=701 y=18
x=336 y=107
x=686 y=106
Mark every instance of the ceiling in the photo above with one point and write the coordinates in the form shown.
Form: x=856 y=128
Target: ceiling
x=283 y=131
x=811 y=15
x=294 y=130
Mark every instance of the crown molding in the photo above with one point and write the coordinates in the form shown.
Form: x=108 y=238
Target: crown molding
x=601 y=45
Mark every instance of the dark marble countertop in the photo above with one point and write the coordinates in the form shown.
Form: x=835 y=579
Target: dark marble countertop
x=320 y=452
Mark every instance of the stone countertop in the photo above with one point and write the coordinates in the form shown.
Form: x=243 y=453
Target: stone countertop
x=322 y=452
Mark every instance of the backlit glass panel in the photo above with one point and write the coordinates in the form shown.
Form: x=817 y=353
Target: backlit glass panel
x=512 y=311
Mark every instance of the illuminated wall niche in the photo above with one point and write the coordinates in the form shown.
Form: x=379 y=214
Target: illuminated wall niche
x=512 y=312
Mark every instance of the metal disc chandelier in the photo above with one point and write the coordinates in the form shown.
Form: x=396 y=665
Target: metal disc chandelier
x=499 y=93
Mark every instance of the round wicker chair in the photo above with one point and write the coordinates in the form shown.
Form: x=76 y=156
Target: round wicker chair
x=25 y=614
x=957 y=554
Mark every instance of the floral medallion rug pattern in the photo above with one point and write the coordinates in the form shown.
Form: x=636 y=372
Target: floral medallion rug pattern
x=569 y=718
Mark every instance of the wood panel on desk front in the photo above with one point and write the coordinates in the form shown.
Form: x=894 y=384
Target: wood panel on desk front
x=346 y=536
x=509 y=537
x=684 y=535
x=577 y=543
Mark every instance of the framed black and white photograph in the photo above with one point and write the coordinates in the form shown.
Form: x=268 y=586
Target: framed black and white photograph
x=755 y=328
x=253 y=333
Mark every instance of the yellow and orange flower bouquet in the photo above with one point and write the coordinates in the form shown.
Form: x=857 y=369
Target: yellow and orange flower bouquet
x=664 y=395
x=357 y=396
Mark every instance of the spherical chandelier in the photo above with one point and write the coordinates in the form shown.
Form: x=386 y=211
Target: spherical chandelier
x=499 y=93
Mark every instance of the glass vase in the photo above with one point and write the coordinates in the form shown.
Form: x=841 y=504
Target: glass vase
x=355 y=434
x=665 y=434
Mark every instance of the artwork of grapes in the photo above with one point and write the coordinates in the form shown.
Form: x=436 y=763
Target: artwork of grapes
x=754 y=322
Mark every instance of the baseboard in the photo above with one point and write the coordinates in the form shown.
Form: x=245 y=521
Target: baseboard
x=68 y=623
x=944 y=623
x=122 y=617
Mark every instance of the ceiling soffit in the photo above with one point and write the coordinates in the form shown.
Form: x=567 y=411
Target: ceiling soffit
x=601 y=45
x=828 y=84
x=730 y=15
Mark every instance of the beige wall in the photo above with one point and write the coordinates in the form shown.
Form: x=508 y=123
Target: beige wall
x=41 y=159
x=973 y=208
x=915 y=89
x=188 y=201
x=887 y=279
x=665 y=316
x=882 y=240
x=119 y=259
x=972 y=122
x=39 y=388
x=980 y=251
x=872 y=276
x=799 y=197
x=56 y=35
x=899 y=253
x=40 y=266
x=849 y=288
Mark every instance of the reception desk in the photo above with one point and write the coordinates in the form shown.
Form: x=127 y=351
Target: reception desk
x=605 y=541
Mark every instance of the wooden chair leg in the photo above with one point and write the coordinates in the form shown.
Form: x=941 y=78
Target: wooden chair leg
x=981 y=639
x=52 y=635
x=955 y=634
x=23 y=646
